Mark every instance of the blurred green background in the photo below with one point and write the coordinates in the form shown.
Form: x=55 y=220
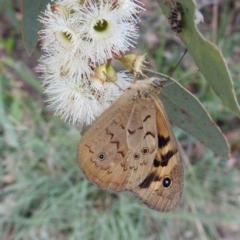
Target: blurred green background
x=44 y=194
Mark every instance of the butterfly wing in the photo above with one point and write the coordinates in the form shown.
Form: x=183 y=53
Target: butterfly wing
x=117 y=152
x=162 y=188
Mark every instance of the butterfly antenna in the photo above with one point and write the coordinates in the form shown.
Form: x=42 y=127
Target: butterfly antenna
x=176 y=66
x=196 y=71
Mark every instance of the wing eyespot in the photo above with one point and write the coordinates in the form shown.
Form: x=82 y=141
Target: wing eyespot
x=145 y=151
x=101 y=156
x=136 y=156
x=167 y=182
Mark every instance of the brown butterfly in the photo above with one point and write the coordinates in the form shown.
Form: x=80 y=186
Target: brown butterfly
x=131 y=147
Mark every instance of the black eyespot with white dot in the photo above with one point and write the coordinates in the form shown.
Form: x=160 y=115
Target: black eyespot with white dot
x=136 y=156
x=145 y=150
x=101 y=156
x=167 y=182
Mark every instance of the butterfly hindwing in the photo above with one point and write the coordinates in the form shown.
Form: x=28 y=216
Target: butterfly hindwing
x=162 y=188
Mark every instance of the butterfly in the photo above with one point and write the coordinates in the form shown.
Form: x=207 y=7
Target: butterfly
x=175 y=17
x=131 y=147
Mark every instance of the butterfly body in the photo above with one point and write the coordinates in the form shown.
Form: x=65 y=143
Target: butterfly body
x=131 y=147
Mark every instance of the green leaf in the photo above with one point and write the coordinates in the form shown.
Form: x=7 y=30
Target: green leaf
x=207 y=56
x=24 y=72
x=10 y=135
x=16 y=111
x=31 y=10
x=185 y=111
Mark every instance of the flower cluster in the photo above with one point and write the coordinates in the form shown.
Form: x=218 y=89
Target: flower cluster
x=80 y=39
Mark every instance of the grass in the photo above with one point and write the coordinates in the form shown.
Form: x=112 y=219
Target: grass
x=44 y=194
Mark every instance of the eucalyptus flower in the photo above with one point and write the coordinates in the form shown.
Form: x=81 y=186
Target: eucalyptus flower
x=103 y=31
x=79 y=39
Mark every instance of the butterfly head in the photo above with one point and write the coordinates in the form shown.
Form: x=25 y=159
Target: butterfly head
x=158 y=82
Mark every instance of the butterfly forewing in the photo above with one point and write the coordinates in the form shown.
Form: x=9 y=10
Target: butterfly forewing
x=117 y=152
x=162 y=188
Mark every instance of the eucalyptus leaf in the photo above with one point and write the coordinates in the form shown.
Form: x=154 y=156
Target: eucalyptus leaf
x=31 y=26
x=186 y=112
x=207 y=56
